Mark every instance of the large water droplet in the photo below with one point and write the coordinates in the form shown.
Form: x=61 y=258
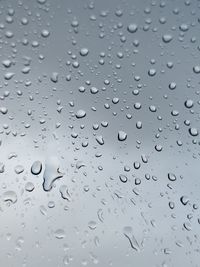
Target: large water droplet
x=51 y=173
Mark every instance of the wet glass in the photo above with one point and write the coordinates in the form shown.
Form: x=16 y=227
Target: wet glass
x=99 y=133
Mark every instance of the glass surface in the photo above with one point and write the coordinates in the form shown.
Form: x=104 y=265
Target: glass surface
x=99 y=133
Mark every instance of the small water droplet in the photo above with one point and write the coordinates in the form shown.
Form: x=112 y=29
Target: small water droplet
x=132 y=28
x=122 y=136
x=80 y=114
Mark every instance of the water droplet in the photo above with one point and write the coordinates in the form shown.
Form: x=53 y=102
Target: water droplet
x=123 y=178
x=65 y=192
x=54 y=77
x=29 y=186
x=171 y=177
x=80 y=114
x=193 y=131
x=184 y=200
x=45 y=33
x=19 y=169
x=132 y=28
x=51 y=173
x=189 y=103
x=184 y=27
x=128 y=232
x=122 y=136
x=100 y=140
x=3 y=110
x=152 y=72
x=196 y=69
x=167 y=38
x=80 y=164
x=2 y=167
x=10 y=197
x=158 y=148
x=172 y=86
x=92 y=225
x=84 y=52
x=94 y=90
x=36 y=167
x=59 y=234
